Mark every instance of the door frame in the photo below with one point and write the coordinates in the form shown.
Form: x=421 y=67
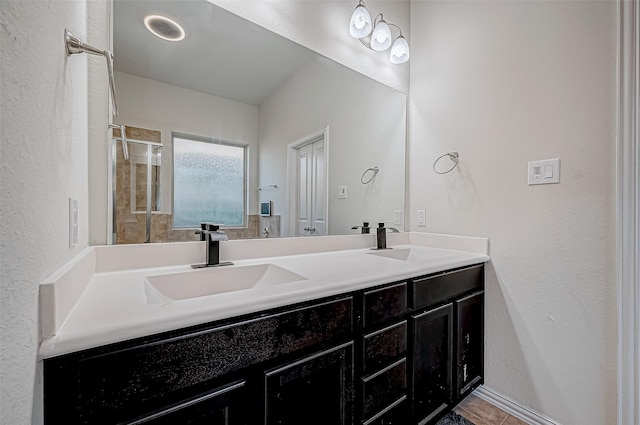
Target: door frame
x=628 y=213
x=292 y=183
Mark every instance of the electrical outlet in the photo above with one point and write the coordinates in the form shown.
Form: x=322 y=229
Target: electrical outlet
x=397 y=217
x=422 y=218
x=73 y=222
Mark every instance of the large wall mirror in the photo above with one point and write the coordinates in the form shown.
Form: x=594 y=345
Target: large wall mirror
x=238 y=125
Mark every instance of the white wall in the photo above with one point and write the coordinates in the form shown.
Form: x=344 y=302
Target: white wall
x=158 y=106
x=502 y=82
x=44 y=128
x=323 y=26
x=505 y=83
x=367 y=128
x=98 y=34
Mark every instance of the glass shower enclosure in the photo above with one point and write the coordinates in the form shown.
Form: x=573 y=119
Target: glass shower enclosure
x=135 y=167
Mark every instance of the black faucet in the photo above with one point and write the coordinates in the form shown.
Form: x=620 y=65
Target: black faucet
x=211 y=234
x=381 y=236
x=365 y=227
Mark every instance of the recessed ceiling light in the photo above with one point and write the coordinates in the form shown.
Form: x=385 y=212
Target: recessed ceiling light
x=163 y=27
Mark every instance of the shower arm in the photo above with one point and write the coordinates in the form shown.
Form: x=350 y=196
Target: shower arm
x=74 y=46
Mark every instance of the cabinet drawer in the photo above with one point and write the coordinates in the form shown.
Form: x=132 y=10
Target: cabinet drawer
x=382 y=347
x=442 y=287
x=383 y=305
x=396 y=414
x=220 y=406
x=116 y=386
x=383 y=388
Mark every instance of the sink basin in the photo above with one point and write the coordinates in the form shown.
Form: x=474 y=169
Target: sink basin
x=211 y=281
x=407 y=254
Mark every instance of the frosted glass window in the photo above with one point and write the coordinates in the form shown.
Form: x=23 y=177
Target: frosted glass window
x=209 y=181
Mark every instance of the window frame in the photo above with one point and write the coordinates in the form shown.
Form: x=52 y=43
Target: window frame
x=245 y=175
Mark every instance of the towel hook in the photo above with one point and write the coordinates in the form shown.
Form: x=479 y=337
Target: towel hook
x=375 y=172
x=453 y=156
x=74 y=46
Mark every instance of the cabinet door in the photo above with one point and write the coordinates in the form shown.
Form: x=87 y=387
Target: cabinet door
x=118 y=383
x=432 y=362
x=470 y=342
x=314 y=390
x=223 y=406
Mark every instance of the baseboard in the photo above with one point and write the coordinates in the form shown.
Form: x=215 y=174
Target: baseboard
x=512 y=407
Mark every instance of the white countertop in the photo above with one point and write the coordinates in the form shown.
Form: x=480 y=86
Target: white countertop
x=113 y=305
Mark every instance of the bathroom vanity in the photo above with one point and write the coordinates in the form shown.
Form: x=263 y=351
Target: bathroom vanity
x=402 y=352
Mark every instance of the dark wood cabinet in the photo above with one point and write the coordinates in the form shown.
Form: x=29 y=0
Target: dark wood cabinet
x=384 y=387
x=395 y=414
x=315 y=390
x=432 y=361
x=118 y=383
x=222 y=406
x=383 y=305
x=384 y=346
x=445 y=286
x=469 y=342
x=403 y=353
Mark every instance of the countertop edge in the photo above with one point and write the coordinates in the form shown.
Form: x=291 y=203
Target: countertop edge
x=66 y=343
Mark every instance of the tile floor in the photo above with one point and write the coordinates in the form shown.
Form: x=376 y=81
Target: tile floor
x=481 y=412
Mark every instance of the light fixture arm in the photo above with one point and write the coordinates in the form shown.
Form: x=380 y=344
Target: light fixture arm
x=366 y=41
x=399 y=29
x=376 y=34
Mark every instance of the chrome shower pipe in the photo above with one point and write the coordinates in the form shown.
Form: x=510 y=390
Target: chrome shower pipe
x=74 y=46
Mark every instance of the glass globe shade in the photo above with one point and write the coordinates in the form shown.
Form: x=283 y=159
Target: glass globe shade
x=399 y=51
x=360 y=25
x=381 y=37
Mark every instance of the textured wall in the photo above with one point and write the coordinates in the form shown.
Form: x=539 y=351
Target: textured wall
x=505 y=83
x=98 y=34
x=44 y=128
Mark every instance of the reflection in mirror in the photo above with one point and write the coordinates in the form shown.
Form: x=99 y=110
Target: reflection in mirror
x=307 y=128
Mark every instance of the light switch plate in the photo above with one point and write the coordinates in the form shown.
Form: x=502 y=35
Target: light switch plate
x=342 y=192
x=422 y=218
x=546 y=171
x=397 y=218
x=73 y=222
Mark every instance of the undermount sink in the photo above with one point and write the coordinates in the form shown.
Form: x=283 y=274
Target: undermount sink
x=405 y=254
x=211 y=281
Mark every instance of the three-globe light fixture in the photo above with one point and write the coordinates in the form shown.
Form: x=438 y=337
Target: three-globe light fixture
x=376 y=34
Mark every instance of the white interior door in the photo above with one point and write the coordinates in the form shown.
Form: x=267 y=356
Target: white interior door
x=310 y=191
x=318 y=190
x=303 y=192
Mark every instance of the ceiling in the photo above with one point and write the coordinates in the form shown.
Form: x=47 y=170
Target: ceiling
x=222 y=54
